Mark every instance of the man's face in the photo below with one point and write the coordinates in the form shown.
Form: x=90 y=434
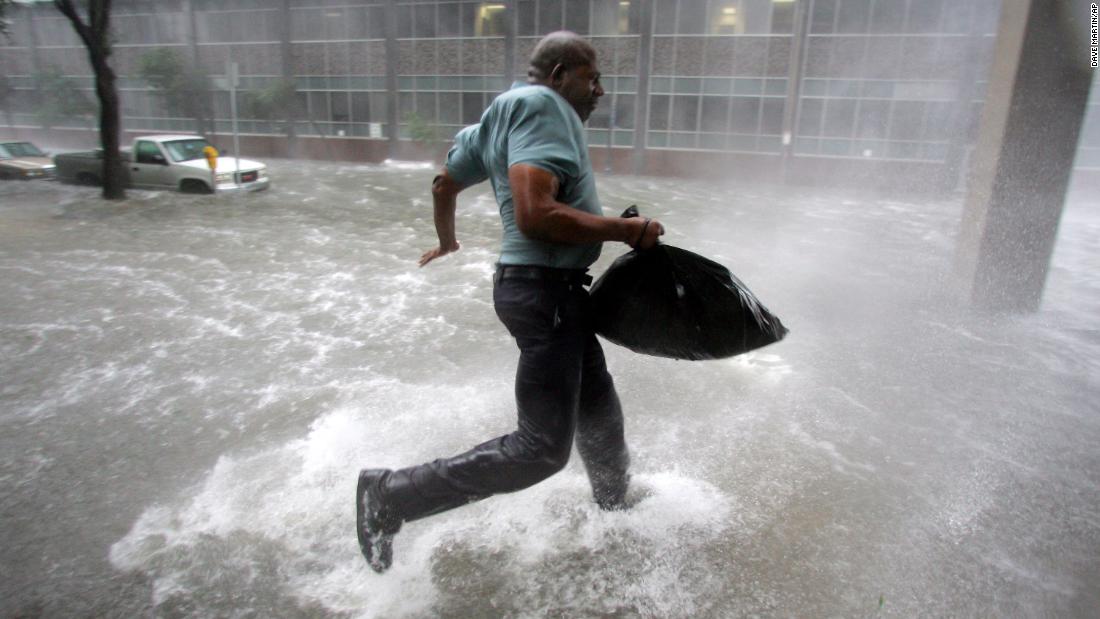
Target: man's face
x=581 y=87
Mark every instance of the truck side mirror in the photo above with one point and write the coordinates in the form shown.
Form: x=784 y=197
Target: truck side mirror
x=158 y=159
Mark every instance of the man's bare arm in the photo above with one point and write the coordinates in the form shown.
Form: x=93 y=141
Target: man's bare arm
x=539 y=216
x=444 y=200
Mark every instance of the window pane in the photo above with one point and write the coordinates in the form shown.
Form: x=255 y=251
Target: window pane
x=468 y=18
x=887 y=16
x=404 y=21
x=599 y=119
x=743 y=114
x=924 y=16
x=360 y=107
x=632 y=20
x=301 y=102
x=754 y=16
x=809 y=117
x=771 y=116
x=605 y=16
x=715 y=114
x=852 y=16
x=526 y=17
x=490 y=20
x=839 y=117
x=692 y=17
x=424 y=21
x=940 y=116
x=665 y=17
x=624 y=111
x=576 y=16
x=871 y=123
x=448 y=20
x=549 y=16
x=472 y=107
x=318 y=106
x=376 y=22
x=685 y=113
x=723 y=17
x=783 y=17
x=379 y=106
x=357 y=23
x=425 y=106
x=907 y=120
x=449 y=108
x=133 y=103
x=335 y=24
x=658 y=112
x=340 y=106
x=821 y=22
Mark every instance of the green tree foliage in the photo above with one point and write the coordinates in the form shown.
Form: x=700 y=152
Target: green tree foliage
x=184 y=91
x=63 y=100
x=420 y=130
x=3 y=19
x=273 y=103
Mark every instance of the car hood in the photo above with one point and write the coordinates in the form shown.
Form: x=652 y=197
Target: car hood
x=226 y=165
x=29 y=163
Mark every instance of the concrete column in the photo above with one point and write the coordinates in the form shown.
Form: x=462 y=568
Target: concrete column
x=286 y=69
x=511 y=25
x=203 y=126
x=392 y=58
x=188 y=9
x=36 y=58
x=795 y=69
x=1035 y=104
x=968 y=74
x=641 y=101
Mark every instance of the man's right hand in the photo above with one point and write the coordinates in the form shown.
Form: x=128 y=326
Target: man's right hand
x=645 y=232
x=440 y=251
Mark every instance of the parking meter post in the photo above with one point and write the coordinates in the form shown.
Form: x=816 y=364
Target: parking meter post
x=234 y=82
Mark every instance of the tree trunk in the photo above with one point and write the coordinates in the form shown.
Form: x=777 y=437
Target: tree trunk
x=96 y=37
x=113 y=187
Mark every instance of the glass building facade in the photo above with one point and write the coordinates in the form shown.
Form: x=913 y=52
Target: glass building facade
x=899 y=80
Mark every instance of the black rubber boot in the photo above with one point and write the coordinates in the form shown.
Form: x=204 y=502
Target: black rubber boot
x=374 y=523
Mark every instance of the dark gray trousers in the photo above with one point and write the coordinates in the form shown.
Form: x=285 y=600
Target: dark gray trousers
x=563 y=390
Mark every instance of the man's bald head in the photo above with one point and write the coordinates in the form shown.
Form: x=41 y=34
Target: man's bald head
x=564 y=62
x=564 y=48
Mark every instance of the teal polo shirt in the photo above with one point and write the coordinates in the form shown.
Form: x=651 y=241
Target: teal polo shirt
x=536 y=126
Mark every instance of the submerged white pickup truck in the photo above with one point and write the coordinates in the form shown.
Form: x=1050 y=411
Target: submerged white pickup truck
x=167 y=161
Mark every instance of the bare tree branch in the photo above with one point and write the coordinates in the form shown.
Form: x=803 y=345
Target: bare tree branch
x=68 y=10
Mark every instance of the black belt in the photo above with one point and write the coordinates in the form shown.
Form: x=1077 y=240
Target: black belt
x=546 y=274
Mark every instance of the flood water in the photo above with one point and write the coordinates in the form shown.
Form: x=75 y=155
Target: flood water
x=190 y=384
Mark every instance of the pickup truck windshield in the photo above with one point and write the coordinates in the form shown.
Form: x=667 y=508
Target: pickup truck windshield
x=20 y=149
x=185 y=150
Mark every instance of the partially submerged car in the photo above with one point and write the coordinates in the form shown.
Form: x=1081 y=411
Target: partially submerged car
x=167 y=161
x=23 y=160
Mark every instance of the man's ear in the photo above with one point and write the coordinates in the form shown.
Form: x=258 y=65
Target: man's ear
x=557 y=73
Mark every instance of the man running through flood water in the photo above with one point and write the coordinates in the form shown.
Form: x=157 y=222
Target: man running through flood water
x=530 y=144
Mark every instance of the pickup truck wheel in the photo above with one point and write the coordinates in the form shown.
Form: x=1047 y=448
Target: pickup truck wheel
x=194 y=186
x=87 y=178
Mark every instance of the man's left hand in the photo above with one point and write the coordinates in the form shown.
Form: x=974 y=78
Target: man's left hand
x=440 y=251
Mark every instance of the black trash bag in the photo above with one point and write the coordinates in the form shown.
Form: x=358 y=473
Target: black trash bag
x=670 y=302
